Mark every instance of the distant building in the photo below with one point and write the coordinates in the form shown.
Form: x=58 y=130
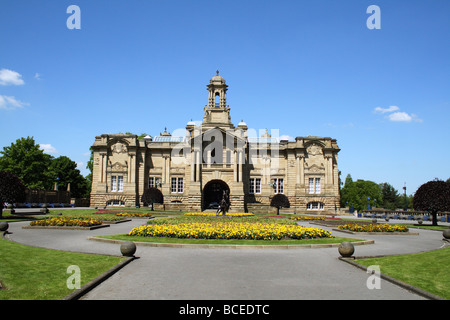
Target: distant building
x=192 y=171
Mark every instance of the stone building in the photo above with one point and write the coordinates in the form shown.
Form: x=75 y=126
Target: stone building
x=193 y=170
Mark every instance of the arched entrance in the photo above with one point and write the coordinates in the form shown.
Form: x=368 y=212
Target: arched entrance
x=212 y=194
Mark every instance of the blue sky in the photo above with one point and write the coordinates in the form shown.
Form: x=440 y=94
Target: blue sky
x=303 y=67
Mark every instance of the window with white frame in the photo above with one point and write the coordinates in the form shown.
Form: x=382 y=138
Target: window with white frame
x=176 y=185
x=255 y=185
x=315 y=205
x=279 y=185
x=314 y=185
x=153 y=182
x=116 y=183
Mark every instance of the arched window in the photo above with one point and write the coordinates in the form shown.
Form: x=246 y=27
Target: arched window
x=315 y=205
x=115 y=203
x=217 y=100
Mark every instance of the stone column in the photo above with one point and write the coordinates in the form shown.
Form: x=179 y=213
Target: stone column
x=192 y=166
x=241 y=160
x=103 y=167
x=198 y=164
x=235 y=168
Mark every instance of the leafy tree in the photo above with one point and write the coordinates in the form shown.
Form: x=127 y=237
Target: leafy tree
x=11 y=189
x=356 y=193
x=391 y=198
x=433 y=197
x=67 y=172
x=280 y=201
x=151 y=196
x=28 y=163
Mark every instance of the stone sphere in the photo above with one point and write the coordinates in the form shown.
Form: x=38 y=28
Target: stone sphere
x=374 y=220
x=128 y=248
x=346 y=249
x=446 y=234
x=420 y=221
x=9 y=206
x=4 y=226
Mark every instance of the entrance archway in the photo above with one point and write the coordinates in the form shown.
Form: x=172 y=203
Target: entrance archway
x=212 y=194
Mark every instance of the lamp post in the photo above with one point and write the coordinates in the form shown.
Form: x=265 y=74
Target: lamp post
x=406 y=207
x=368 y=203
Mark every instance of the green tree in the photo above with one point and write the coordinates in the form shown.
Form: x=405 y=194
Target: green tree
x=66 y=171
x=391 y=198
x=11 y=189
x=357 y=193
x=29 y=163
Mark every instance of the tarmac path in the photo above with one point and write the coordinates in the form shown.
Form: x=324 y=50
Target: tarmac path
x=167 y=273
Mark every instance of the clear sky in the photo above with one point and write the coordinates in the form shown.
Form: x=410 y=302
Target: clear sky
x=303 y=67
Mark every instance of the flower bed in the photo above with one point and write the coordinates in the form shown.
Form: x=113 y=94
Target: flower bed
x=306 y=218
x=211 y=214
x=230 y=230
x=66 y=222
x=134 y=214
x=374 y=227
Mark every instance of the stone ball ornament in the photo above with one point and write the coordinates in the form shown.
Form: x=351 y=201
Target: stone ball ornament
x=446 y=234
x=4 y=226
x=346 y=249
x=128 y=249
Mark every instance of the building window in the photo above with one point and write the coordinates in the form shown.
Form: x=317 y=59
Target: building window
x=315 y=205
x=153 y=182
x=255 y=185
x=176 y=185
x=115 y=203
x=278 y=185
x=116 y=183
x=314 y=185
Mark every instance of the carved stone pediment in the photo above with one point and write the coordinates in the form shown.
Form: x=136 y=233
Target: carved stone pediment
x=118 y=166
x=315 y=168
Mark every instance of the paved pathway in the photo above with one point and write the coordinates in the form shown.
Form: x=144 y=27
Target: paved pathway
x=252 y=274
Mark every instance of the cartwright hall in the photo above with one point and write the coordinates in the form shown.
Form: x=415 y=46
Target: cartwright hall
x=193 y=170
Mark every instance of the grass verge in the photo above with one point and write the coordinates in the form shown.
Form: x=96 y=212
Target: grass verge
x=30 y=273
x=426 y=270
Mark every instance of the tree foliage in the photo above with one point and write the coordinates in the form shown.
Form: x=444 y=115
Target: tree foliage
x=280 y=201
x=38 y=170
x=433 y=197
x=11 y=189
x=357 y=193
x=29 y=163
x=151 y=196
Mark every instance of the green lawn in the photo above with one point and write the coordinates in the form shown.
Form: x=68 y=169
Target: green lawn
x=426 y=270
x=29 y=273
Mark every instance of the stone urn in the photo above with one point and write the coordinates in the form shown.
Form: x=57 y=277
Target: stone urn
x=128 y=248
x=420 y=221
x=4 y=226
x=374 y=220
x=346 y=249
x=446 y=234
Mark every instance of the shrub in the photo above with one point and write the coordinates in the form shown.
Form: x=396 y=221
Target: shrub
x=433 y=197
x=280 y=201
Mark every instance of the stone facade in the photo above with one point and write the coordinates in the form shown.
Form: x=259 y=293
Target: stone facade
x=192 y=171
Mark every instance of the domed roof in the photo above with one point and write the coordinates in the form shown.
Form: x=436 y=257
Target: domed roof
x=242 y=124
x=191 y=123
x=217 y=78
